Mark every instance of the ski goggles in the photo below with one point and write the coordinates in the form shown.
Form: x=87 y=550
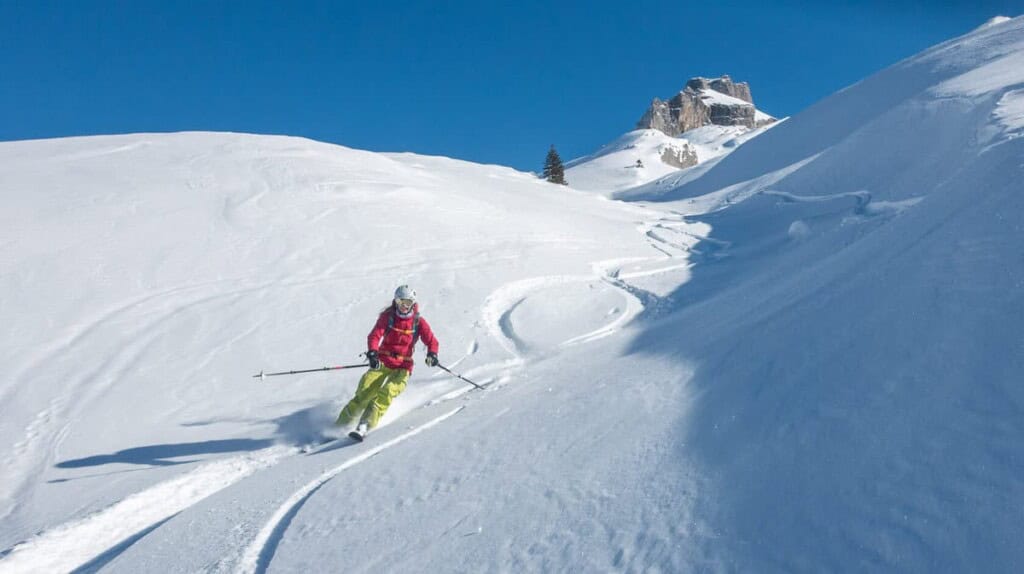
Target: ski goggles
x=405 y=302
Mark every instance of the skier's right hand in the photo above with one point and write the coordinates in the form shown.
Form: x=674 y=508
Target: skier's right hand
x=374 y=359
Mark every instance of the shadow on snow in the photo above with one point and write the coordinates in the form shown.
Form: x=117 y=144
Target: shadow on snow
x=300 y=427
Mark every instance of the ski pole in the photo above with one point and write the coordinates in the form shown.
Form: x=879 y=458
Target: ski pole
x=263 y=375
x=444 y=368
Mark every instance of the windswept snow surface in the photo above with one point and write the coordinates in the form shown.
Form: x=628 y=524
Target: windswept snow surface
x=805 y=357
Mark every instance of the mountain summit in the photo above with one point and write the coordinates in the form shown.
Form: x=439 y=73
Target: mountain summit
x=703 y=102
x=708 y=119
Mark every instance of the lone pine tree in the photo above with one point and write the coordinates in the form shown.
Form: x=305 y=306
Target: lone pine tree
x=554 y=171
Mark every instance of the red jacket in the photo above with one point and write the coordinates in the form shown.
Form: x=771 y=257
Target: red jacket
x=394 y=339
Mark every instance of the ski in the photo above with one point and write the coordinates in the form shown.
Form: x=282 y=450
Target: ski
x=358 y=436
x=314 y=446
x=360 y=432
x=328 y=445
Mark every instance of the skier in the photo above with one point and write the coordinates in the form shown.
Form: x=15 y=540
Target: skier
x=390 y=349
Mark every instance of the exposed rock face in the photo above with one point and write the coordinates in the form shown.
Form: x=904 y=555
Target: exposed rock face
x=676 y=115
x=681 y=157
x=723 y=85
x=733 y=115
x=694 y=107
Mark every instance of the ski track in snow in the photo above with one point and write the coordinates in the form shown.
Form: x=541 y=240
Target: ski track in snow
x=69 y=546
x=256 y=558
x=109 y=532
x=87 y=387
x=34 y=451
x=497 y=315
x=500 y=305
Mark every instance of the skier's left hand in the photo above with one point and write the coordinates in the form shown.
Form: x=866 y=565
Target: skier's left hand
x=431 y=360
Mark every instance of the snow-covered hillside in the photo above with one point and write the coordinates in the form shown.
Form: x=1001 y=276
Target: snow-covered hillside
x=858 y=324
x=615 y=166
x=145 y=278
x=648 y=158
x=701 y=124
x=804 y=355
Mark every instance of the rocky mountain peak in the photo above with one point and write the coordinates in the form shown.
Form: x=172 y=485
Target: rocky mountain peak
x=723 y=85
x=704 y=101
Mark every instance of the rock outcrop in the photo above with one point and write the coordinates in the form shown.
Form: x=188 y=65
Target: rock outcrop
x=695 y=107
x=682 y=157
x=723 y=85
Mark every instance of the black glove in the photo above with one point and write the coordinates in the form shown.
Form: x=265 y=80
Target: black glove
x=431 y=360
x=374 y=359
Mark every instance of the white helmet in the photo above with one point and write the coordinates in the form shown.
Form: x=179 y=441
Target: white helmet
x=405 y=292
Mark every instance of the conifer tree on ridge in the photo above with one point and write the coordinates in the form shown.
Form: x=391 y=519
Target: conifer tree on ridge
x=554 y=171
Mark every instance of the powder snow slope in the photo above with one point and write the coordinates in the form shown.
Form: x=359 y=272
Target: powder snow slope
x=147 y=277
x=805 y=357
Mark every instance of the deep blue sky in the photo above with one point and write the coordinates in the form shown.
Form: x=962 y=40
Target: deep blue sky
x=484 y=81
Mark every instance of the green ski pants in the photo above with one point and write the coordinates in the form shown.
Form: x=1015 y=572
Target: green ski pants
x=373 y=396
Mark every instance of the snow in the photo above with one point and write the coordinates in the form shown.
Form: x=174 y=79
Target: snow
x=147 y=277
x=994 y=21
x=1009 y=111
x=256 y=556
x=613 y=167
x=715 y=97
x=613 y=170
x=803 y=355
